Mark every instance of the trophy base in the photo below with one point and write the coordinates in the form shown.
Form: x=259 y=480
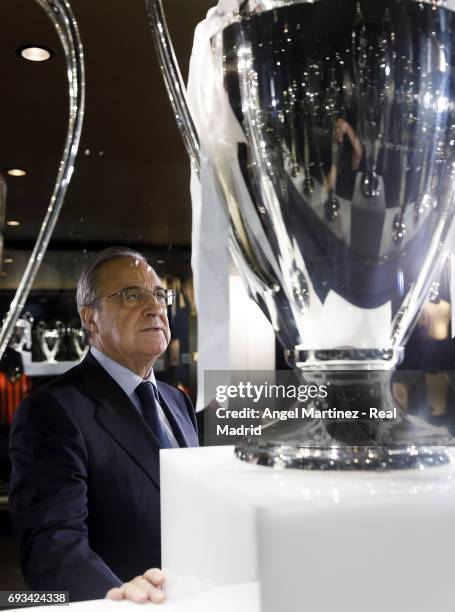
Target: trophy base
x=344 y=359
x=346 y=433
x=379 y=458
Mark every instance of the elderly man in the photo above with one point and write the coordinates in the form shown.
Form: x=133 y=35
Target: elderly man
x=85 y=491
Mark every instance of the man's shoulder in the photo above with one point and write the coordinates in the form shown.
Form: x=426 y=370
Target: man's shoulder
x=166 y=388
x=72 y=378
x=66 y=390
x=58 y=401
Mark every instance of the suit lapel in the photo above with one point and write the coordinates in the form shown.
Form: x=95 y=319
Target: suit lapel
x=119 y=417
x=181 y=425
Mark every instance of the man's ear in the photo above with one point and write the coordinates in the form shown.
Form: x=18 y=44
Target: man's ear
x=87 y=314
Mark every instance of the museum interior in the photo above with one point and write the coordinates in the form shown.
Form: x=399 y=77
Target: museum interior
x=130 y=187
x=132 y=183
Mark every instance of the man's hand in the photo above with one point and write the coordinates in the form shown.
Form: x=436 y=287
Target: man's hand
x=141 y=589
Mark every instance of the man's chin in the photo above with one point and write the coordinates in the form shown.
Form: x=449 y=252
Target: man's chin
x=151 y=353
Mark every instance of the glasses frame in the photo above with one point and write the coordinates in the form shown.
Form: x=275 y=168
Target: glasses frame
x=169 y=300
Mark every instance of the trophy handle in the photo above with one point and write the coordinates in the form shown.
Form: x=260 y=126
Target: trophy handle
x=173 y=80
x=61 y=15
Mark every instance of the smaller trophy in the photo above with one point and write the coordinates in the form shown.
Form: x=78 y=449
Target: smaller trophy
x=78 y=343
x=50 y=339
x=21 y=337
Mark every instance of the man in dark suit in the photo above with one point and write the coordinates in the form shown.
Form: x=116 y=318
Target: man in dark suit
x=85 y=491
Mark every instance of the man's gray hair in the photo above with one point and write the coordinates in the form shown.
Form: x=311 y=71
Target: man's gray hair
x=88 y=290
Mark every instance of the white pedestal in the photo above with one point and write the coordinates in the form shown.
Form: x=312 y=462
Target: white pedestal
x=233 y=598
x=44 y=368
x=315 y=541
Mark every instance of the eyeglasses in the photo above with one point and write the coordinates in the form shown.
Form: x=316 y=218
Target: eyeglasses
x=136 y=296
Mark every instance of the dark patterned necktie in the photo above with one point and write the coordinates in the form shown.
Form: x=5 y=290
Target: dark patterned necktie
x=146 y=394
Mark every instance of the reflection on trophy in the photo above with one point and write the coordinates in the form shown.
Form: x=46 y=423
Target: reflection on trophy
x=333 y=151
x=50 y=339
x=76 y=335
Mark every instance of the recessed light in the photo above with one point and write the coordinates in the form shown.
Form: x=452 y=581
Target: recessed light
x=35 y=53
x=13 y=223
x=16 y=172
x=160 y=261
x=8 y=260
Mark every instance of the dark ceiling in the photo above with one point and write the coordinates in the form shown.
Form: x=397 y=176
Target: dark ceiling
x=131 y=179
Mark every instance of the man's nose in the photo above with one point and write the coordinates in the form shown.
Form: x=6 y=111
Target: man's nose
x=153 y=306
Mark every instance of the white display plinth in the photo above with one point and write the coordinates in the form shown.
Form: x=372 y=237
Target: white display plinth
x=315 y=541
x=233 y=598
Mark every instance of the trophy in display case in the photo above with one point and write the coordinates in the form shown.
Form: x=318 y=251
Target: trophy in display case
x=78 y=344
x=50 y=339
x=21 y=338
x=333 y=151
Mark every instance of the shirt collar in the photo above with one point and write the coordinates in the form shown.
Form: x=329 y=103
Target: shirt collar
x=126 y=378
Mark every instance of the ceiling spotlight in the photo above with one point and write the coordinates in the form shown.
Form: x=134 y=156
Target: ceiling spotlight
x=16 y=172
x=35 y=54
x=13 y=223
x=8 y=260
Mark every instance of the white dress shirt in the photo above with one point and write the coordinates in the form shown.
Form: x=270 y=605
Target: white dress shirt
x=128 y=381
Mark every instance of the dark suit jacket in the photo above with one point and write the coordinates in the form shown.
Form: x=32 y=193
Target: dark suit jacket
x=85 y=491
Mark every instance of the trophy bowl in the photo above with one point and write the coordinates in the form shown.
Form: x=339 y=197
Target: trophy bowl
x=333 y=152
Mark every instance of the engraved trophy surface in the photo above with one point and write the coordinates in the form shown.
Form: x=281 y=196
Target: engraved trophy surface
x=334 y=156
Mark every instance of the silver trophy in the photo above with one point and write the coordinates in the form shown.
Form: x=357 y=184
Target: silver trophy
x=50 y=339
x=334 y=156
x=21 y=338
x=64 y=22
x=78 y=343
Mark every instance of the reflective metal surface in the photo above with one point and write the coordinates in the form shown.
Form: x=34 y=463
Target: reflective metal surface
x=173 y=80
x=334 y=153
x=248 y=7
x=347 y=108
x=21 y=338
x=382 y=458
x=61 y=15
x=77 y=338
x=50 y=339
